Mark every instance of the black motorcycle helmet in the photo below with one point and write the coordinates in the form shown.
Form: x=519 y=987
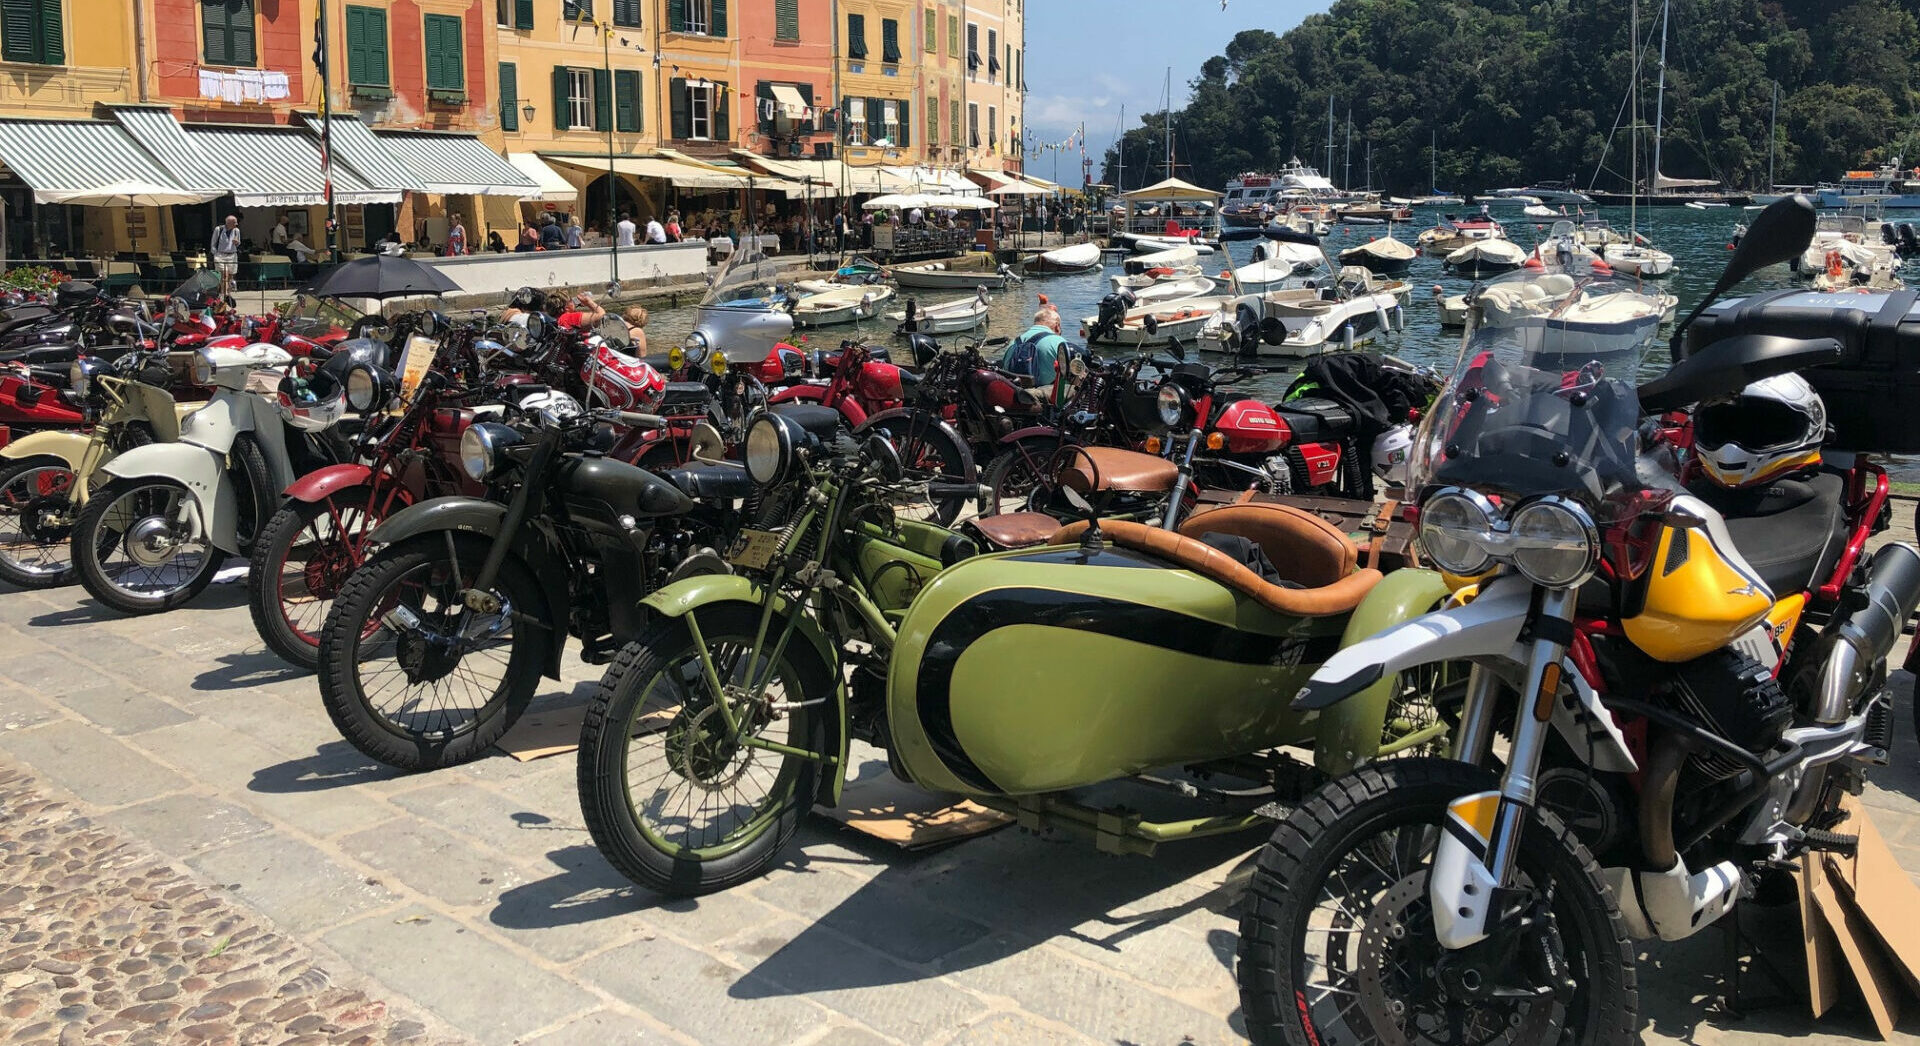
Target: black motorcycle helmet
x=74 y=292
x=925 y=349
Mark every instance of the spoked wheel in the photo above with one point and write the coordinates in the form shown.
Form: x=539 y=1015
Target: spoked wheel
x=411 y=673
x=1016 y=471
x=1338 y=944
x=303 y=557
x=682 y=794
x=941 y=479
x=1414 y=724
x=37 y=515
x=136 y=548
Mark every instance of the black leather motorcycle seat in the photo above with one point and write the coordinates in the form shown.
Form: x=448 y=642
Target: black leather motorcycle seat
x=822 y=423
x=909 y=380
x=711 y=480
x=1315 y=419
x=1791 y=531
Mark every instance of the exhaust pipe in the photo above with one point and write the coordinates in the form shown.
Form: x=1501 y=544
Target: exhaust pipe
x=1860 y=638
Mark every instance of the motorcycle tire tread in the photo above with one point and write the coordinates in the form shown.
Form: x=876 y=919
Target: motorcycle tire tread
x=1266 y=945
x=97 y=584
x=264 y=568
x=360 y=725
x=11 y=574
x=249 y=465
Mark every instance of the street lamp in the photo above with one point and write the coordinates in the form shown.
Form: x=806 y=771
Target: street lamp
x=527 y=111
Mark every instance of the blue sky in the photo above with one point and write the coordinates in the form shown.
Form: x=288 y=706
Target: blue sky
x=1086 y=58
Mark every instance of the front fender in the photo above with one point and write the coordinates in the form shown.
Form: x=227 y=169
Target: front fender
x=686 y=597
x=70 y=447
x=324 y=483
x=1488 y=626
x=453 y=512
x=202 y=470
x=1349 y=733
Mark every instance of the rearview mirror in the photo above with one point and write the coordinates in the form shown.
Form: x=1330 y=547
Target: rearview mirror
x=1178 y=349
x=1778 y=234
x=1272 y=331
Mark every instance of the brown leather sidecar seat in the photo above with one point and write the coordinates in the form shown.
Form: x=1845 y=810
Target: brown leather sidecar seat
x=1304 y=548
x=1088 y=470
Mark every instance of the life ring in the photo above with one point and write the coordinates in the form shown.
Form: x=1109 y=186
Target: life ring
x=1834 y=268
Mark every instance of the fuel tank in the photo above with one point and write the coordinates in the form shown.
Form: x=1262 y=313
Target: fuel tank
x=1046 y=669
x=1251 y=427
x=598 y=491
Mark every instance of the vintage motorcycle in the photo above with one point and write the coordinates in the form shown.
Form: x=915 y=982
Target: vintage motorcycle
x=727 y=719
x=155 y=535
x=1678 y=729
x=436 y=643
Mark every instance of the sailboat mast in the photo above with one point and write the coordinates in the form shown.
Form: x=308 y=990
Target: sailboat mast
x=1433 y=162
x=1329 y=168
x=1169 y=121
x=1346 y=164
x=1633 y=149
x=1122 y=142
x=1773 y=141
x=1369 y=165
x=1660 y=98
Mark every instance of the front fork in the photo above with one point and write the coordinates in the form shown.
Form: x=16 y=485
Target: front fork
x=1477 y=852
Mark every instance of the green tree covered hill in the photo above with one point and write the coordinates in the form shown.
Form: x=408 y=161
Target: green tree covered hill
x=1517 y=90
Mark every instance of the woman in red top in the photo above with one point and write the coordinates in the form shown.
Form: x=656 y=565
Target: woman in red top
x=584 y=314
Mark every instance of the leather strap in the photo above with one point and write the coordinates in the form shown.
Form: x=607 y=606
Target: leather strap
x=1381 y=521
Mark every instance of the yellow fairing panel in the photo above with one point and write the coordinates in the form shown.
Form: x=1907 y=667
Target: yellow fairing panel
x=1701 y=594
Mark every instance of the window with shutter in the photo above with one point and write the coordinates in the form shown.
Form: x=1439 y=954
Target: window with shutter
x=953 y=35
x=856 y=36
x=682 y=116
x=953 y=122
x=576 y=10
x=626 y=101
x=509 y=97
x=446 y=54
x=933 y=124
x=523 y=14
x=626 y=13
x=676 y=16
x=32 y=31
x=993 y=54
x=786 y=20
x=973 y=125
x=973 y=46
x=905 y=128
x=562 y=98
x=717 y=15
x=932 y=24
x=581 y=103
x=993 y=127
x=889 y=40
x=602 y=100
x=366 y=47
x=722 y=112
x=226 y=28
x=876 y=120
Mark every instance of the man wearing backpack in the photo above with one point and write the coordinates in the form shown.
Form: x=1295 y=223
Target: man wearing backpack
x=1040 y=353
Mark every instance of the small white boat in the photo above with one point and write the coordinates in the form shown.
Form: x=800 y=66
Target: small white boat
x=953 y=317
x=972 y=270
x=841 y=304
x=1362 y=310
x=1140 y=243
x=1560 y=313
x=1486 y=258
x=1080 y=257
x=1706 y=205
x=1273 y=265
x=1357 y=219
x=1540 y=210
x=1167 y=290
x=1142 y=280
x=1637 y=259
x=1385 y=255
x=1157 y=323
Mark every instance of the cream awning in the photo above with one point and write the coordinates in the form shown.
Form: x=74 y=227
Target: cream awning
x=685 y=176
x=553 y=186
x=790 y=101
x=63 y=158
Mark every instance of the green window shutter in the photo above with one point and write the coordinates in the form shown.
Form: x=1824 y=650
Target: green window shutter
x=53 y=48
x=377 y=46
x=933 y=30
x=953 y=35
x=19 y=27
x=562 y=99
x=933 y=123
x=786 y=19
x=856 y=36
x=446 y=64
x=602 y=100
x=509 y=97
x=523 y=14
x=876 y=120
x=356 y=35
x=626 y=101
x=889 y=40
x=717 y=18
x=626 y=13
x=953 y=122
x=213 y=32
x=682 y=116
x=906 y=123
x=240 y=32
x=576 y=10
x=677 y=16
x=723 y=113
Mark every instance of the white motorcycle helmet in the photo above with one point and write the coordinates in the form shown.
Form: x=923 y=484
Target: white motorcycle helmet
x=1390 y=452
x=1772 y=428
x=554 y=404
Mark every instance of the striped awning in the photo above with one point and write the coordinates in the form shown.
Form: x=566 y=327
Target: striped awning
x=64 y=157
x=457 y=164
x=277 y=167
x=161 y=135
x=356 y=145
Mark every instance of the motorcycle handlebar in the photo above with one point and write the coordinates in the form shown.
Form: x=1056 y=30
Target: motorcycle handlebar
x=633 y=419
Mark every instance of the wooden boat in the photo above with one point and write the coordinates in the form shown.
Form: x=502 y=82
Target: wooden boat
x=1078 y=258
x=1385 y=255
x=840 y=304
x=953 y=317
x=1157 y=323
x=971 y=270
x=1486 y=258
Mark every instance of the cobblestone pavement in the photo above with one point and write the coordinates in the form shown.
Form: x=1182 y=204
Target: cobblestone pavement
x=474 y=897
x=105 y=941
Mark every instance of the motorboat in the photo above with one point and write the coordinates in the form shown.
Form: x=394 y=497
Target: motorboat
x=1273 y=264
x=1845 y=265
x=1486 y=258
x=1171 y=289
x=1316 y=311
x=959 y=316
x=967 y=271
x=1141 y=243
x=1452 y=233
x=1588 y=309
x=846 y=303
x=1707 y=205
x=1875 y=275
x=1562 y=193
x=1383 y=255
x=1181 y=261
x=1564 y=247
x=1637 y=259
x=1852 y=237
x=744 y=312
x=1156 y=323
x=1066 y=261
x=1541 y=210
x=1595 y=233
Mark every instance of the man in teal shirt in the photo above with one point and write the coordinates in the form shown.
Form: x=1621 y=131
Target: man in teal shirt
x=1039 y=352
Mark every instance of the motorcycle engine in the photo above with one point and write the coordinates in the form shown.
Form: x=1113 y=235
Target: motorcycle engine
x=1734 y=696
x=1279 y=472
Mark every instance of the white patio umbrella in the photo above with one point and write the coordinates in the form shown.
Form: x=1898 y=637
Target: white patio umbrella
x=1020 y=188
x=125 y=193
x=962 y=203
x=897 y=201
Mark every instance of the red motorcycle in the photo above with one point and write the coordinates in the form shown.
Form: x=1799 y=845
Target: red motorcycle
x=873 y=397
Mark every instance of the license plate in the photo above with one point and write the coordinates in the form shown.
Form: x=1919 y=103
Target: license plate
x=754 y=549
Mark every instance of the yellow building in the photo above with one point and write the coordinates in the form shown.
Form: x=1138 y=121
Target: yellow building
x=881 y=44
x=994 y=88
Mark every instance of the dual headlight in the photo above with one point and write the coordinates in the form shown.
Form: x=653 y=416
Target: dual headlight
x=483 y=449
x=1550 y=540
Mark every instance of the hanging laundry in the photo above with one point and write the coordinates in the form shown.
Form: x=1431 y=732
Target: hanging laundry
x=209 y=84
x=277 y=87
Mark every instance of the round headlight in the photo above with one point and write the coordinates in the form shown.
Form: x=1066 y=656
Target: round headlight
x=481 y=449
x=1456 y=526
x=363 y=390
x=676 y=357
x=1554 y=542
x=696 y=341
x=1172 y=402
x=769 y=449
x=77 y=378
x=717 y=363
x=200 y=370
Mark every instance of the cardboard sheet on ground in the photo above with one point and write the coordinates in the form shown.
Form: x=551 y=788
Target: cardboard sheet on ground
x=888 y=809
x=1823 y=951
x=556 y=731
x=1883 y=892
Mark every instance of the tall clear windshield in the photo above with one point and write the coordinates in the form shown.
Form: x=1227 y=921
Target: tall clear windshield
x=747 y=276
x=1543 y=399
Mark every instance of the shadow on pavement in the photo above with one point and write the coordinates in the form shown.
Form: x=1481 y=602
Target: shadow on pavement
x=238 y=671
x=336 y=764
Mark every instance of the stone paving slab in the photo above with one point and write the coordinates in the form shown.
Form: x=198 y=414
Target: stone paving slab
x=474 y=897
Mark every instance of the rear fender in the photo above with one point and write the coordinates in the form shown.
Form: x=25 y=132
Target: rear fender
x=202 y=470
x=69 y=447
x=481 y=519
x=693 y=594
x=1348 y=733
x=324 y=483
x=914 y=414
x=1030 y=432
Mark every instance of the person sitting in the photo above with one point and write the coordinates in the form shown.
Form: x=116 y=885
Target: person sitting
x=300 y=251
x=1039 y=353
x=636 y=318
x=495 y=243
x=582 y=313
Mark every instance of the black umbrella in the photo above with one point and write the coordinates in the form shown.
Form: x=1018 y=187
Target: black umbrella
x=380 y=276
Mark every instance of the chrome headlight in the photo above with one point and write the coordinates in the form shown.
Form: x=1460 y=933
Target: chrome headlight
x=1456 y=526
x=368 y=388
x=201 y=369
x=769 y=449
x=80 y=374
x=1554 y=543
x=1172 y=402
x=483 y=449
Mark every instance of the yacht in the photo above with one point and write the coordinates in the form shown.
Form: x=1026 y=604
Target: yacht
x=1889 y=186
x=1559 y=194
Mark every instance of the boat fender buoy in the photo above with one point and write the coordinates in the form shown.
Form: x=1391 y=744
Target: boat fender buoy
x=1834 y=267
x=1346 y=336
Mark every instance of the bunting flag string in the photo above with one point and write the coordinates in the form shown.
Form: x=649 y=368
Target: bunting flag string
x=1074 y=142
